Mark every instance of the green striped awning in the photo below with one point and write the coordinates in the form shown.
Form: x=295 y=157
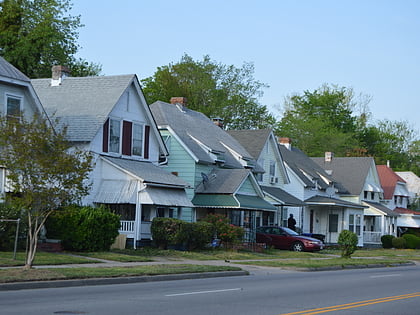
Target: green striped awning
x=232 y=201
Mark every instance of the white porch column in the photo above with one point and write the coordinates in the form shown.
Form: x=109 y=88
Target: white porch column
x=137 y=224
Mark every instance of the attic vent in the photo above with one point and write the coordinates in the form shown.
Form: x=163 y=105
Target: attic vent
x=329 y=172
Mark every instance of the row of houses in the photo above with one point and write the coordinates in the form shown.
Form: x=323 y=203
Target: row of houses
x=166 y=160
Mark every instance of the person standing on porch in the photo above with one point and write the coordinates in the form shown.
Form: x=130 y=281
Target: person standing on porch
x=291 y=222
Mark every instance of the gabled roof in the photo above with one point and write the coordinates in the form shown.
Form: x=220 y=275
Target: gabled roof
x=9 y=71
x=199 y=134
x=146 y=171
x=381 y=208
x=307 y=170
x=351 y=172
x=285 y=198
x=252 y=140
x=223 y=181
x=328 y=201
x=389 y=180
x=82 y=103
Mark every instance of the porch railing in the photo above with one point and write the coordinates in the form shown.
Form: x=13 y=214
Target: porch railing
x=372 y=237
x=127 y=227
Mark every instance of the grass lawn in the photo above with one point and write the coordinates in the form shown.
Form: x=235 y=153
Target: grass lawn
x=41 y=258
x=319 y=263
x=116 y=256
x=15 y=275
x=411 y=254
x=218 y=254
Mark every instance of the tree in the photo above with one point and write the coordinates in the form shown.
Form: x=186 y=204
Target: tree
x=323 y=120
x=44 y=172
x=393 y=141
x=214 y=89
x=36 y=34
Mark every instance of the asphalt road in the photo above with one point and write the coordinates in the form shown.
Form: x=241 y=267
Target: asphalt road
x=357 y=291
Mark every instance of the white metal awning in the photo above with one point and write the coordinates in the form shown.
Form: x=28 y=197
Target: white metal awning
x=165 y=197
x=117 y=191
x=372 y=187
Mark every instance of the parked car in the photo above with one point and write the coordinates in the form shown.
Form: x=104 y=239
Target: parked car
x=285 y=238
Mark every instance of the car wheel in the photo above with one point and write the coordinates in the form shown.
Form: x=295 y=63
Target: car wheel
x=298 y=247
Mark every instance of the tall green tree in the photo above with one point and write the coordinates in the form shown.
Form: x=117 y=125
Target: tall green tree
x=395 y=142
x=215 y=89
x=44 y=172
x=323 y=120
x=36 y=34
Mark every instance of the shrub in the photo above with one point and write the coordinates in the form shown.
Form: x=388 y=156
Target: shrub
x=166 y=231
x=226 y=232
x=196 y=235
x=387 y=241
x=8 y=229
x=84 y=228
x=411 y=241
x=398 y=242
x=348 y=243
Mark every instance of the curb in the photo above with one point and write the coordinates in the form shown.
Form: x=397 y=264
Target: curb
x=358 y=266
x=119 y=280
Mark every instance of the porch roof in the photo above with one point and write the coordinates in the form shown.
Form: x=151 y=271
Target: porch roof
x=237 y=201
x=328 y=201
x=381 y=208
x=282 y=196
x=165 y=197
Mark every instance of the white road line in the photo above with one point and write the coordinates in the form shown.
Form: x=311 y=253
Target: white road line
x=384 y=276
x=203 y=292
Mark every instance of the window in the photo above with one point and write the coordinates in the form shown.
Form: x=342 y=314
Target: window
x=351 y=222
x=13 y=106
x=365 y=194
x=333 y=223
x=137 y=147
x=372 y=195
x=114 y=136
x=272 y=168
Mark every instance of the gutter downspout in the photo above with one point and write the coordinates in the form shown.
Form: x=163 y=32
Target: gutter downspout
x=137 y=227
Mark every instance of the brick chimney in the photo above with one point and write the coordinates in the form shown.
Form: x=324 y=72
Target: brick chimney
x=218 y=121
x=179 y=100
x=59 y=73
x=329 y=156
x=287 y=142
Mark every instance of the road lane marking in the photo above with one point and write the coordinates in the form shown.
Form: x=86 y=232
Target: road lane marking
x=387 y=275
x=204 y=292
x=355 y=304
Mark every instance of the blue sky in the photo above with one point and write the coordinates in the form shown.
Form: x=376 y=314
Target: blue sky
x=372 y=46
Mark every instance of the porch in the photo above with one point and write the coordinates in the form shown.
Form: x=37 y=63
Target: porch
x=372 y=237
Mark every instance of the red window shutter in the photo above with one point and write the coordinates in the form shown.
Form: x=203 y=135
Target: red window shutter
x=127 y=137
x=146 y=141
x=105 y=136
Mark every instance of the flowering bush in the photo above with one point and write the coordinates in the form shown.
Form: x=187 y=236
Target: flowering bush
x=227 y=233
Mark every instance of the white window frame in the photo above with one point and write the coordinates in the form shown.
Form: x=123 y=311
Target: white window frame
x=132 y=138
x=12 y=96
x=110 y=150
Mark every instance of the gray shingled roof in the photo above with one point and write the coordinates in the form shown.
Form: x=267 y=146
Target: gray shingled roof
x=83 y=103
x=300 y=163
x=323 y=200
x=187 y=123
x=147 y=171
x=350 y=171
x=252 y=140
x=286 y=198
x=382 y=208
x=223 y=181
x=9 y=71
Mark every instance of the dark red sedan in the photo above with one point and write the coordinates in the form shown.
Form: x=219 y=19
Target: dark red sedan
x=285 y=238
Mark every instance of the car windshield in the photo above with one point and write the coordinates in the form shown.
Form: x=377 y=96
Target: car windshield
x=289 y=231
